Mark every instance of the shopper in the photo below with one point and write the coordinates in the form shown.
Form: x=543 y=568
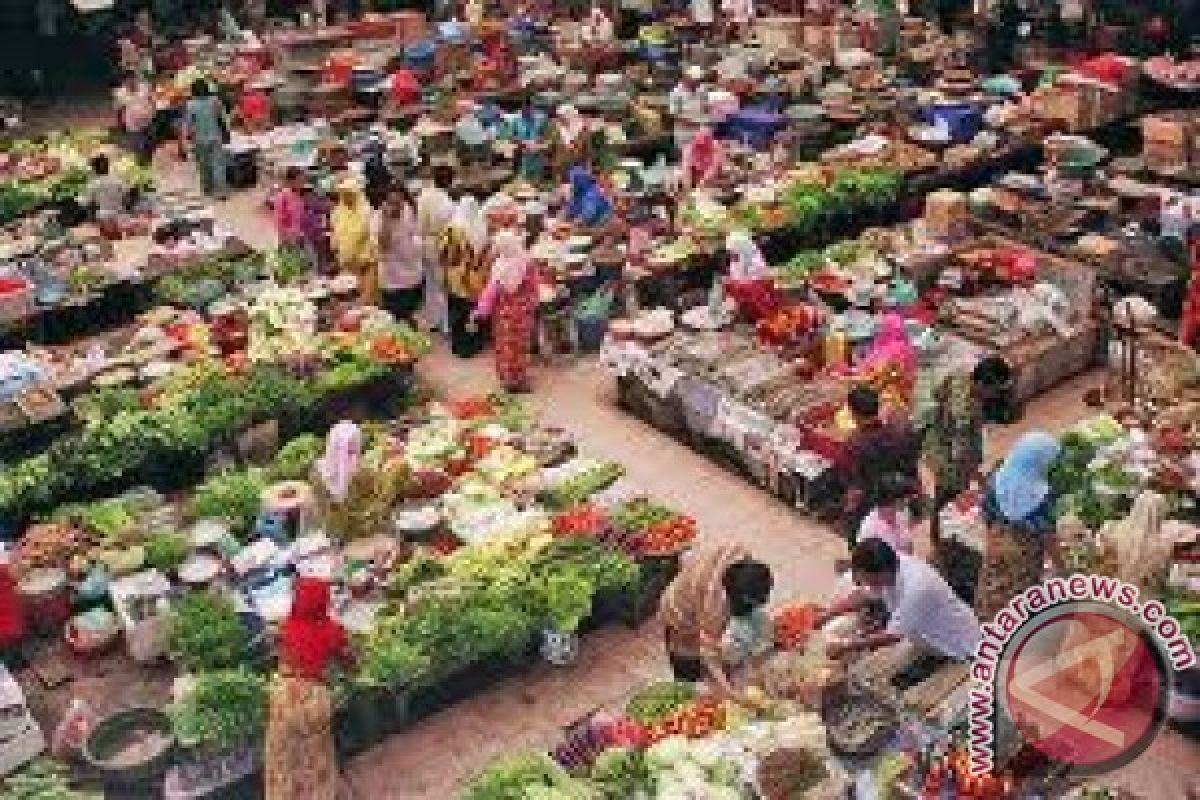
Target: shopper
x=300 y=762
x=435 y=209
x=353 y=249
x=876 y=448
x=510 y=300
x=315 y=225
x=716 y=586
x=703 y=158
x=952 y=441
x=462 y=254
x=1018 y=508
x=289 y=210
x=891 y=519
x=377 y=178
x=921 y=607
x=206 y=126
x=401 y=269
x=134 y=102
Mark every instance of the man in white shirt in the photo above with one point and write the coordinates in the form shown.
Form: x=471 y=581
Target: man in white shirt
x=922 y=607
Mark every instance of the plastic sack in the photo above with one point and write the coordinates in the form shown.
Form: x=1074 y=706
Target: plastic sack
x=73 y=729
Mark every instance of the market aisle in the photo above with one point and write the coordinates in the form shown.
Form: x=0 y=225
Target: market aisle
x=437 y=757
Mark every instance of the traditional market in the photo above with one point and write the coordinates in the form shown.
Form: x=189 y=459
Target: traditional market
x=610 y=401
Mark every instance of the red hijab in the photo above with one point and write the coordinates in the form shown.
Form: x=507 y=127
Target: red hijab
x=12 y=618
x=311 y=639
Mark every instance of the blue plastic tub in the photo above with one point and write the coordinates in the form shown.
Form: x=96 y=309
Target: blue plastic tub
x=963 y=120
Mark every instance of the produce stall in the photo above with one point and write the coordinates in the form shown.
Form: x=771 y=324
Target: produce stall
x=472 y=540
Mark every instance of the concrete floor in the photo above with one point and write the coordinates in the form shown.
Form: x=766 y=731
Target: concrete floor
x=435 y=759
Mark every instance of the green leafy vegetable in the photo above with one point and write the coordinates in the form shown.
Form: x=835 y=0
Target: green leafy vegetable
x=205 y=633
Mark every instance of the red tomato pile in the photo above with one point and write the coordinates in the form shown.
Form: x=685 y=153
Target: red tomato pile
x=666 y=537
x=582 y=520
x=788 y=323
x=793 y=623
x=700 y=718
x=470 y=407
x=624 y=732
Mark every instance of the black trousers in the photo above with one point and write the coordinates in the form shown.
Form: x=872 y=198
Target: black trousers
x=464 y=343
x=688 y=669
x=403 y=303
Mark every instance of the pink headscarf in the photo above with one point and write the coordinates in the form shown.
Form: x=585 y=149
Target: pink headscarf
x=892 y=344
x=343 y=447
x=511 y=260
x=702 y=157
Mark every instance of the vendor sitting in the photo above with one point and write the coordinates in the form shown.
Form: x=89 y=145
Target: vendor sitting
x=106 y=194
x=527 y=130
x=749 y=282
x=714 y=617
x=588 y=205
x=920 y=605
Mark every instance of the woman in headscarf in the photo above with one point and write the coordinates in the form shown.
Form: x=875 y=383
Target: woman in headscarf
x=749 y=282
x=569 y=140
x=435 y=209
x=338 y=484
x=353 y=248
x=891 y=345
x=300 y=762
x=702 y=159
x=952 y=441
x=1135 y=548
x=1017 y=506
x=462 y=254
x=588 y=205
x=510 y=300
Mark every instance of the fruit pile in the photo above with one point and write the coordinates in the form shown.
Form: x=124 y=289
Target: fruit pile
x=793 y=623
x=668 y=536
x=788 y=324
x=582 y=520
x=702 y=717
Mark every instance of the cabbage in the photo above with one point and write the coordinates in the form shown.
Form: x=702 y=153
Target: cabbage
x=667 y=753
x=725 y=772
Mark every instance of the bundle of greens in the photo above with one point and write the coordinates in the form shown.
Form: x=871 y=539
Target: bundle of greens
x=205 y=633
x=223 y=709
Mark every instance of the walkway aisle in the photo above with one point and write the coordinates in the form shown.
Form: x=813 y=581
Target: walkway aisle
x=438 y=757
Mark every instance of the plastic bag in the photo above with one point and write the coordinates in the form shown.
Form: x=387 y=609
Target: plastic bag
x=73 y=729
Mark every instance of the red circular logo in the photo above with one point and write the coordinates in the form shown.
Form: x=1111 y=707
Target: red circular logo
x=1085 y=686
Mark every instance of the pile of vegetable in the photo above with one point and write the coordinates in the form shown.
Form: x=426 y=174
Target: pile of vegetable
x=205 y=632
x=582 y=485
x=222 y=709
x=177 y=421
x=654 y=703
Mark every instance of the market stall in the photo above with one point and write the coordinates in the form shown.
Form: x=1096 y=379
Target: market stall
x=472 y=539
